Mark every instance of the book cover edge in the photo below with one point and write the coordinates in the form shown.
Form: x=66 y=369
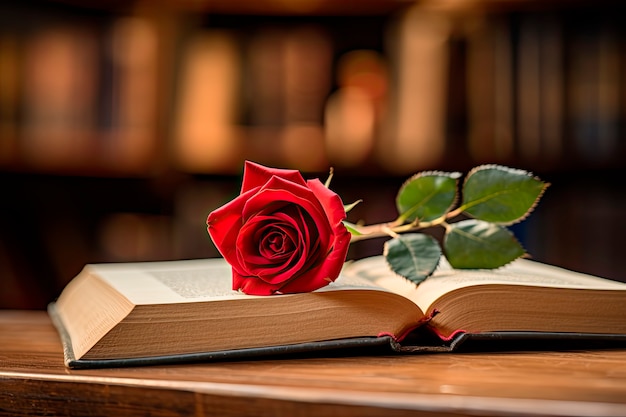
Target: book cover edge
x=462 y=342
x=70 y=360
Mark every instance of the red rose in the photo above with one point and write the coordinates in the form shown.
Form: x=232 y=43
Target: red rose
x=282 y=234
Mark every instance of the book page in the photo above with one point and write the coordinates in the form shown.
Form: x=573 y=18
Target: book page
x=521 y=272
x=374 y=272
x=170 y=281
x=196 y=283
x=190 y=281
x=446 y=279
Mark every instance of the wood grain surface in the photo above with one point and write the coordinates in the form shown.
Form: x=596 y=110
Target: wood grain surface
x=34 y=381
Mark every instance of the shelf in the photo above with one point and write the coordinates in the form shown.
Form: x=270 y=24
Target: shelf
x=255 y=7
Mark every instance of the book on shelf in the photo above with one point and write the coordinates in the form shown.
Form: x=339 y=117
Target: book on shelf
x=58 y=93
x=593 y=106
x=490 y=87
x=417 y=109
x=180 y=311
x=9 y=97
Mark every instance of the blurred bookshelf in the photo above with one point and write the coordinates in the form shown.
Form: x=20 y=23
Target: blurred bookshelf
x=122 y=124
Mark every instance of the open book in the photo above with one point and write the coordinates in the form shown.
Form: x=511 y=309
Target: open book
x=154 y=312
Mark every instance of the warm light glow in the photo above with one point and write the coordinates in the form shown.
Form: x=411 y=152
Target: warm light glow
x=355 y=111
x=349 y=123
x=302 y=147
x=205 y=137
x=366 y=70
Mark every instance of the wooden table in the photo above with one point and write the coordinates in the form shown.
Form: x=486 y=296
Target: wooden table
x=34 y=381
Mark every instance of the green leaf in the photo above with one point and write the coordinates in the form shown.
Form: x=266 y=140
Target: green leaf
x=427 y=195
x=501 y=195
x=413 y=256
x=475 y=244
x=352 y=228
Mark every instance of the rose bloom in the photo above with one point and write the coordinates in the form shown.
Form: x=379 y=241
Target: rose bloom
x=282 y=234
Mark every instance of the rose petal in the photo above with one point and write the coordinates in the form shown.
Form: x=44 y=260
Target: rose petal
x=282 y=233
x=258 y=264
x=330 y=201
x=253 y=232
x=290 y=193
x=252 y=285
x=277 y=244
x=313 y=234
x=256 y=175
x=275 y=196
x=271 y=270
x=293 y=193
x=223 y=226
x=327 y=271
